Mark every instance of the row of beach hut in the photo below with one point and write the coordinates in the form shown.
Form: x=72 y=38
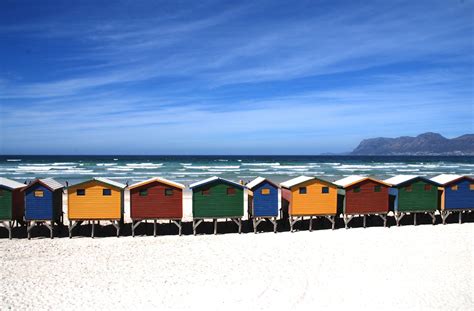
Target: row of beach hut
x=101 y=199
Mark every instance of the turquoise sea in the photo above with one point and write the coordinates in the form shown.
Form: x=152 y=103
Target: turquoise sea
x=187 y=169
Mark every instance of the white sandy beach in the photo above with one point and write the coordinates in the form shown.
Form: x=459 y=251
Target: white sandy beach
x=422 y=267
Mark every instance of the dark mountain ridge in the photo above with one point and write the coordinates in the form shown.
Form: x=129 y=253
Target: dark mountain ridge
x=423 y=144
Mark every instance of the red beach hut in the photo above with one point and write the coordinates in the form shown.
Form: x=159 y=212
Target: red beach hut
x=156 y=199
x=364 y=196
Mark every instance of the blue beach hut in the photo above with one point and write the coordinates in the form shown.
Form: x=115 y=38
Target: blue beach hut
x=43 y=203
x=264 y=202
x=457 y=194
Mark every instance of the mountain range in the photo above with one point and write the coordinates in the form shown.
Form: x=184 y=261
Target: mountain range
x=423 y=144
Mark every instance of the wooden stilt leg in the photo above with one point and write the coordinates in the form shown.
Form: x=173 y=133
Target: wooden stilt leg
x=254 y=226
x=275 y=225
x=180 y=228
x=433 y=218
x=70 y=229
x=291 y=223
x=154 y=227
x=51 y=229
x=460 y=217
x=133 y=229
x=215 y=226
x=28 y=228
x=310 y=223
x=194 y=227
x=333 y=222
x=240 y=225
x=10 y=229
x=365 y=220
x=414 y=219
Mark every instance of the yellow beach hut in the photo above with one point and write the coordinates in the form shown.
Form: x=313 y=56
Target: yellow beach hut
x=310 y=197
x=94 y=200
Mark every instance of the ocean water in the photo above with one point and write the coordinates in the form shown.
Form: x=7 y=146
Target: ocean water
x=188 y=169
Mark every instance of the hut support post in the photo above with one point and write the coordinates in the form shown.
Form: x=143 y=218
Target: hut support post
x=414 y=219
x=365 y=221
x=215 y=225
x=433 y=218
x=332 y=220
x=310 y=223
x=196 y=224
x=154 y=227
x=460 y=217
x=384 y=218
x=293 y=221
x=72 y=225
x=93 y=229
x=178 y=224
x=254 y=226
x=28 y=229
x=274 y=224
x=8 y=225
x=398 y=218
x=444 y=215
x=238 y=222
x=116 y=224
x=347 y=219
x=134 y=226
x=50 y=226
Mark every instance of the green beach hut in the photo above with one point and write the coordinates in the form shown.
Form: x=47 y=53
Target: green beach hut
x=11 y=203
x=217 y=198
x=413 y=194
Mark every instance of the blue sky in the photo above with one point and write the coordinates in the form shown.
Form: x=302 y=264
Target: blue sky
x=231 y=77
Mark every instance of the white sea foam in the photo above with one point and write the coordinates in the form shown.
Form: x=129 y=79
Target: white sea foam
x=13 y=160
x=126 y=169
x=144 y=165
x=261 y=164
x=186 y=164
x=106 y=164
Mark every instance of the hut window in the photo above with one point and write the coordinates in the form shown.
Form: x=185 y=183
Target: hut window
x=81 y=192
x=206 y=192
x=454 y=188
x=168 y=192
x=471 y=187
x=230 y=191
x=427 y=187
x=357 y=189
x=106 y=192
x=408 y=188
x=39 y=193
x=265 y=191
x=325 y=190
x=377 y=188
x=143 y=192
x=303 y=190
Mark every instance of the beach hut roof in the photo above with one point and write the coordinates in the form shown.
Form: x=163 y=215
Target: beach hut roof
x=445 y=179
x=295 y=181
x=104 y=181
x=403 y=179
x=157 y=179
x=355 y=179
x=257 y=181
x=302 y=179
x=212 y=179
x=49 y=183
x=10 y=184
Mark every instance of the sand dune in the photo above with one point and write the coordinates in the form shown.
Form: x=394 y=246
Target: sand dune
x=422 y=267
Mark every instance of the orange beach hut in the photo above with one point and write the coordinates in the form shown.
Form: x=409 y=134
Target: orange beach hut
x=94 y=200
x=310 y=197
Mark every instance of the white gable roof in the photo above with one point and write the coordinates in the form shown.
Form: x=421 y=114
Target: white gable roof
x=349 y=180
x=110 y=182
x=11 y=184
x=257 y=181
x=212 y=179
x=51 y=183
x=157 y=179
x=295 y=181
x=400 y=179
x=445 y=178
